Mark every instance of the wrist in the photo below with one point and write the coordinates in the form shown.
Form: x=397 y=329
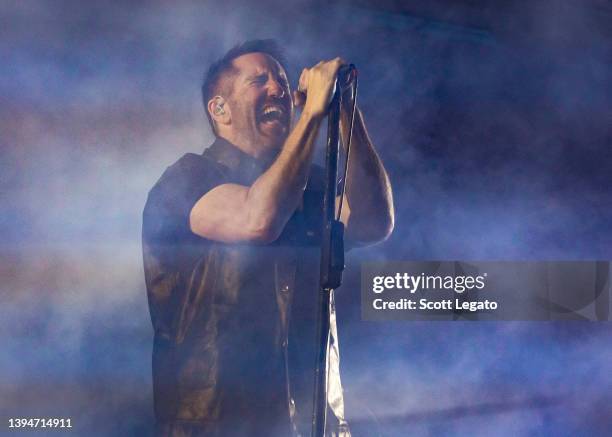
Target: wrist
x=309 y=114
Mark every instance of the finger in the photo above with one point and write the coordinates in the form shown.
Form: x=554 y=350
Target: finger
x=336 y=64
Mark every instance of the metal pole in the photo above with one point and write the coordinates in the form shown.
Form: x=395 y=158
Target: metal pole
x=332 y=264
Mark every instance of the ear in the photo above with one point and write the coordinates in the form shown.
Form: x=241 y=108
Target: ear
x=219 y=110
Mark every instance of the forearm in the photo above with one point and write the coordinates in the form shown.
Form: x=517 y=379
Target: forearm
x=275 y=195
x=368 y=189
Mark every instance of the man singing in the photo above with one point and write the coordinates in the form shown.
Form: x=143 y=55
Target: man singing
x=231 y=253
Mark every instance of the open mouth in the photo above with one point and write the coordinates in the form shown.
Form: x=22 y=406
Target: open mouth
x=273 y=114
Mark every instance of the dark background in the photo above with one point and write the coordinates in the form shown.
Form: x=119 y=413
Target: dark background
x=493 y=119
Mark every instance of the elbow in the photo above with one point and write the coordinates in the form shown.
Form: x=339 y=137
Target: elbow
x=372 y=231
x=386 y=227
x=388 y=219
x=376 y=229
x=382 y=226
x=383 y=230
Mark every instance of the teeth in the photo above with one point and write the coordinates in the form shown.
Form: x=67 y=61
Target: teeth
x=270 y=110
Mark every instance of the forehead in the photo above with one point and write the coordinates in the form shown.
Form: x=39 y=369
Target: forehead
x=257 y=63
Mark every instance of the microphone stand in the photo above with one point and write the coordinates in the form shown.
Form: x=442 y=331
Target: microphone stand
x=332 y=257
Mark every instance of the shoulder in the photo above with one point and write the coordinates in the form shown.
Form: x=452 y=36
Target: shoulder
x=187 y=173
x=166 y=211
x=187 y=168
x=179 y=187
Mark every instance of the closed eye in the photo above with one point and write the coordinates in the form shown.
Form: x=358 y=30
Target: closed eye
x=260 y=80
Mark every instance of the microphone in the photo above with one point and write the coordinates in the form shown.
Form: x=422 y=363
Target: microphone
x=346 y=76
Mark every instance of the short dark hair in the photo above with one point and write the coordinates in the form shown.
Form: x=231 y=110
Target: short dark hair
x=224 y=65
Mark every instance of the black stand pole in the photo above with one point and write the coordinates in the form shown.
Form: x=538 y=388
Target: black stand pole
x=332 y=264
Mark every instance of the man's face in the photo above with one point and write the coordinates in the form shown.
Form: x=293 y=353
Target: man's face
x=260 y=102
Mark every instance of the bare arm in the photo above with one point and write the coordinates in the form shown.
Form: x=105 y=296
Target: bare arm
x=368 y=211
x=236 y=213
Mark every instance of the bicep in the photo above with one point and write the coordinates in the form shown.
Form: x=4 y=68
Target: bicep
x=222 y=215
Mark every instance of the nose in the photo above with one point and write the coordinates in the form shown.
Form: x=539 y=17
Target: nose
x=275 y=89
